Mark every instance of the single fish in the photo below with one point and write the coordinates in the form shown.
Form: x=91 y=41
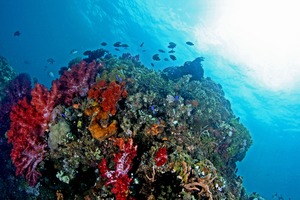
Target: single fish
x=117 y=49
x=161 y=51
x=141 y=45
x=73 y=51
x=172 y=45
x=172 y=51
x=103 y=44
x=144 y=50
x=124 y=45
x=50 y=61
x=189 y=43
x=51 y=74
x=87 y=53
x=17 y=33
x=117 y=44
x=152 y=64
x=156 y=57
x=26 y=62
x=166 y=59
x=173 y=57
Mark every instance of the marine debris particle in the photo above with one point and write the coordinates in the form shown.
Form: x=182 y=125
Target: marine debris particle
x=153 y=134
x=156 y=57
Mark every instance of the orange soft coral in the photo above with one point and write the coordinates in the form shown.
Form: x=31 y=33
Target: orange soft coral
x=100 y=133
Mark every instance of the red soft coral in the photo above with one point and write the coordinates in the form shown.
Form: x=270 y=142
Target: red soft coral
x=118 y=178
x=29 y=121
x=108 y=94
x=161 y=156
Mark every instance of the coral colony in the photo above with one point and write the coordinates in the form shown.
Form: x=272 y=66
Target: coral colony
x=110 y=128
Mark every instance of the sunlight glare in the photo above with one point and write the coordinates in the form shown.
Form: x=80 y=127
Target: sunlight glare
x=262 y=36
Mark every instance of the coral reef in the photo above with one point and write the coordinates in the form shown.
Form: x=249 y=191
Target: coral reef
x=29 y=121
x=110 y=128
x=7 y=74
x=16 y=89
x=76 y=82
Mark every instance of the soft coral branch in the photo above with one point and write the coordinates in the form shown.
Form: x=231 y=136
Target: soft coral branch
x=118 y=177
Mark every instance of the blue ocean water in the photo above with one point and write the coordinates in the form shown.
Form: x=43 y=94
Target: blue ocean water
x=51 y=29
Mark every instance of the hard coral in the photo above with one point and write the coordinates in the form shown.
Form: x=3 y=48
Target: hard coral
x=118 y=178
x=29 y=121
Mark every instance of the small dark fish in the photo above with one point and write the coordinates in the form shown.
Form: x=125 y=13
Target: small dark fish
x=103 y=44
x=17 y=33
x=50 y=61
x=161 y=51
x=124 y=45
x=189 y=43
x=87 y=53
x=156 y=57
x=172 y=57
x=172 y=51
x=152 y=64
x=117 y=49
x=26 y=62
x=117 y=44
x=73 y=51
x=166 y=59
x=141 y=45
x=172 y=45
x=144 y=50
